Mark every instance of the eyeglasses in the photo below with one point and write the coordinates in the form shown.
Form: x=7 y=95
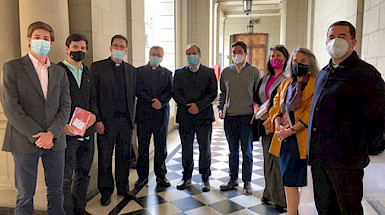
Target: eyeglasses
x=118 y=46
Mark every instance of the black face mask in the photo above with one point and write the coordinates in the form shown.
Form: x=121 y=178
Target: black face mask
x=300 y=69
x=77 y=56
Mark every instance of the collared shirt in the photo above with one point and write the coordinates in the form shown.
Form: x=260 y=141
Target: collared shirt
x=240 y=69
x=194 y=69
x=77 y=73
x=42 y=72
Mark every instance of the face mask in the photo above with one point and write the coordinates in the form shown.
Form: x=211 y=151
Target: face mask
x=238 y=58
x=276 y=63
x=155 y=61
x=77 y=56
x=117 y=55
x=337 y=47
x=192 y=60
x=300 y=69
x=40 y=47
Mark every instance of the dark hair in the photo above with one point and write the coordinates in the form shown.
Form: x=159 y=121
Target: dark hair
x=191 y=45
x=40 y=25
x=352 y=29
x=283 y=50
x=76 y=37
x=118 y=36
x=240 y=43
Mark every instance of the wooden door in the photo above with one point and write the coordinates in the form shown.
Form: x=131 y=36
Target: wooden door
x=256 y=48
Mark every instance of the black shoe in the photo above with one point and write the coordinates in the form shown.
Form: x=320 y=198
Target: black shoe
x=265 y=200
x=279 y=208
x=141 y=182
x=205 y=185
x=105 y=200
x=230 y=184
x=183 y=184
x=125 y=194
x=163 y=182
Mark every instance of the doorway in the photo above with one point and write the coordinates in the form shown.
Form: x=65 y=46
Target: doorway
x=256 y=48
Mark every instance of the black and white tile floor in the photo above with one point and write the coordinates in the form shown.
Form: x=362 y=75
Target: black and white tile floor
x=156 y=200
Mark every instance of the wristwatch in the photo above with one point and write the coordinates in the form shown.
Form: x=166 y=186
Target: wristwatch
x=293 y=130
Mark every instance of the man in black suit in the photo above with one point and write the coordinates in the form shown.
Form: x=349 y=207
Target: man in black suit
x=80 y=149
x=115 y=87
x=194 y=89
x=152 y=115
x=36 y=101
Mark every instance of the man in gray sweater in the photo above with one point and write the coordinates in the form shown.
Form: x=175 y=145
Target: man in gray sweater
x=238 y=83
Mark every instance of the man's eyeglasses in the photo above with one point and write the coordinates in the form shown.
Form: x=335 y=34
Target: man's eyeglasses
x=118 y=46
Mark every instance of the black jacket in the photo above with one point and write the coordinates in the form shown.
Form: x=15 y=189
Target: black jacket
x=83 y=97
x=106 y=90
x=200 y=88
x=347 y=113
x=153 y=84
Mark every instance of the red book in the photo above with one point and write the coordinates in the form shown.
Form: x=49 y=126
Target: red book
x=80 y=120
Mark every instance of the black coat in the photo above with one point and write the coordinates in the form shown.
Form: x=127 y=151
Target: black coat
x=83 y=97
x=106 y=89
x=153 y=84
x=200 y=88
x=346 y=114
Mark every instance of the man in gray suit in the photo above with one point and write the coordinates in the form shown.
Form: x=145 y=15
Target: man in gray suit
x=36 y=100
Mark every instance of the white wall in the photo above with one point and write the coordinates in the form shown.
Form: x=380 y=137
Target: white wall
x=373 y=40
x=327 y=12
x=268 y=25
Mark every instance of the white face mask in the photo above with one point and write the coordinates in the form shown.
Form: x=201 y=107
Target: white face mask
x=337 y=47
x=238 y=58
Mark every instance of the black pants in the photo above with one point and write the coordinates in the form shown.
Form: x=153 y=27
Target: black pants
x=78 y=157
x=118 y=135
x=338 y=191
x=187 y=133
x=159 y=129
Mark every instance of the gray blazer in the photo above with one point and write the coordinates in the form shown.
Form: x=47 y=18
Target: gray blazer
x=27 y=110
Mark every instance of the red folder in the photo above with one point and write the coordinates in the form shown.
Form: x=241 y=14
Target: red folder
x=80 y=120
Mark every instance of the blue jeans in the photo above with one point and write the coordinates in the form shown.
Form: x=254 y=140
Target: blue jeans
x=238 y=129
x=26 y=177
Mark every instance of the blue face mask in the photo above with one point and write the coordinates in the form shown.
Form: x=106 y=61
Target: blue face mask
x=192 y=60
x=40 y=47
x=155 y=61
x=117 y=55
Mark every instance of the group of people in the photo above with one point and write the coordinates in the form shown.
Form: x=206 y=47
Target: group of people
x=319 y=122
x=324 y=119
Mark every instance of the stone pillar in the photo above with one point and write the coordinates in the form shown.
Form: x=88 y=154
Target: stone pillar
x=10 y=49
x=54 y=13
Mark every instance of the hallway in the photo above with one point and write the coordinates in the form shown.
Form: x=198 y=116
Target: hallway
x=192 y=201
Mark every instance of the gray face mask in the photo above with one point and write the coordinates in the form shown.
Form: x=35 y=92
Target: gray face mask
x=337 y=47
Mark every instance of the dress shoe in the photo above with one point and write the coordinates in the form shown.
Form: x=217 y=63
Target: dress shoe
x=126 y=194
x=265 y=200
x=230 y=184
x=247 y=188
x=205 y=185
x=141 y=182
x=183 y=184
x=163 y=182
x=279 y=208
x=105 y=200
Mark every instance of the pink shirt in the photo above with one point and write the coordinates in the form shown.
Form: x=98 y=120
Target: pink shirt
x=42 y=72
x=271 y=81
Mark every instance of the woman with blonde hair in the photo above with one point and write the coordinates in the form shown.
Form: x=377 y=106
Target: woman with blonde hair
x=289 y=118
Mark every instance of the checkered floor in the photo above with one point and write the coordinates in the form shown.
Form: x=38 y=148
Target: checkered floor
x=155 y=200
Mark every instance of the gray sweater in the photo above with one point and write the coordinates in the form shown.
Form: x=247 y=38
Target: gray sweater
x=237 y=89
